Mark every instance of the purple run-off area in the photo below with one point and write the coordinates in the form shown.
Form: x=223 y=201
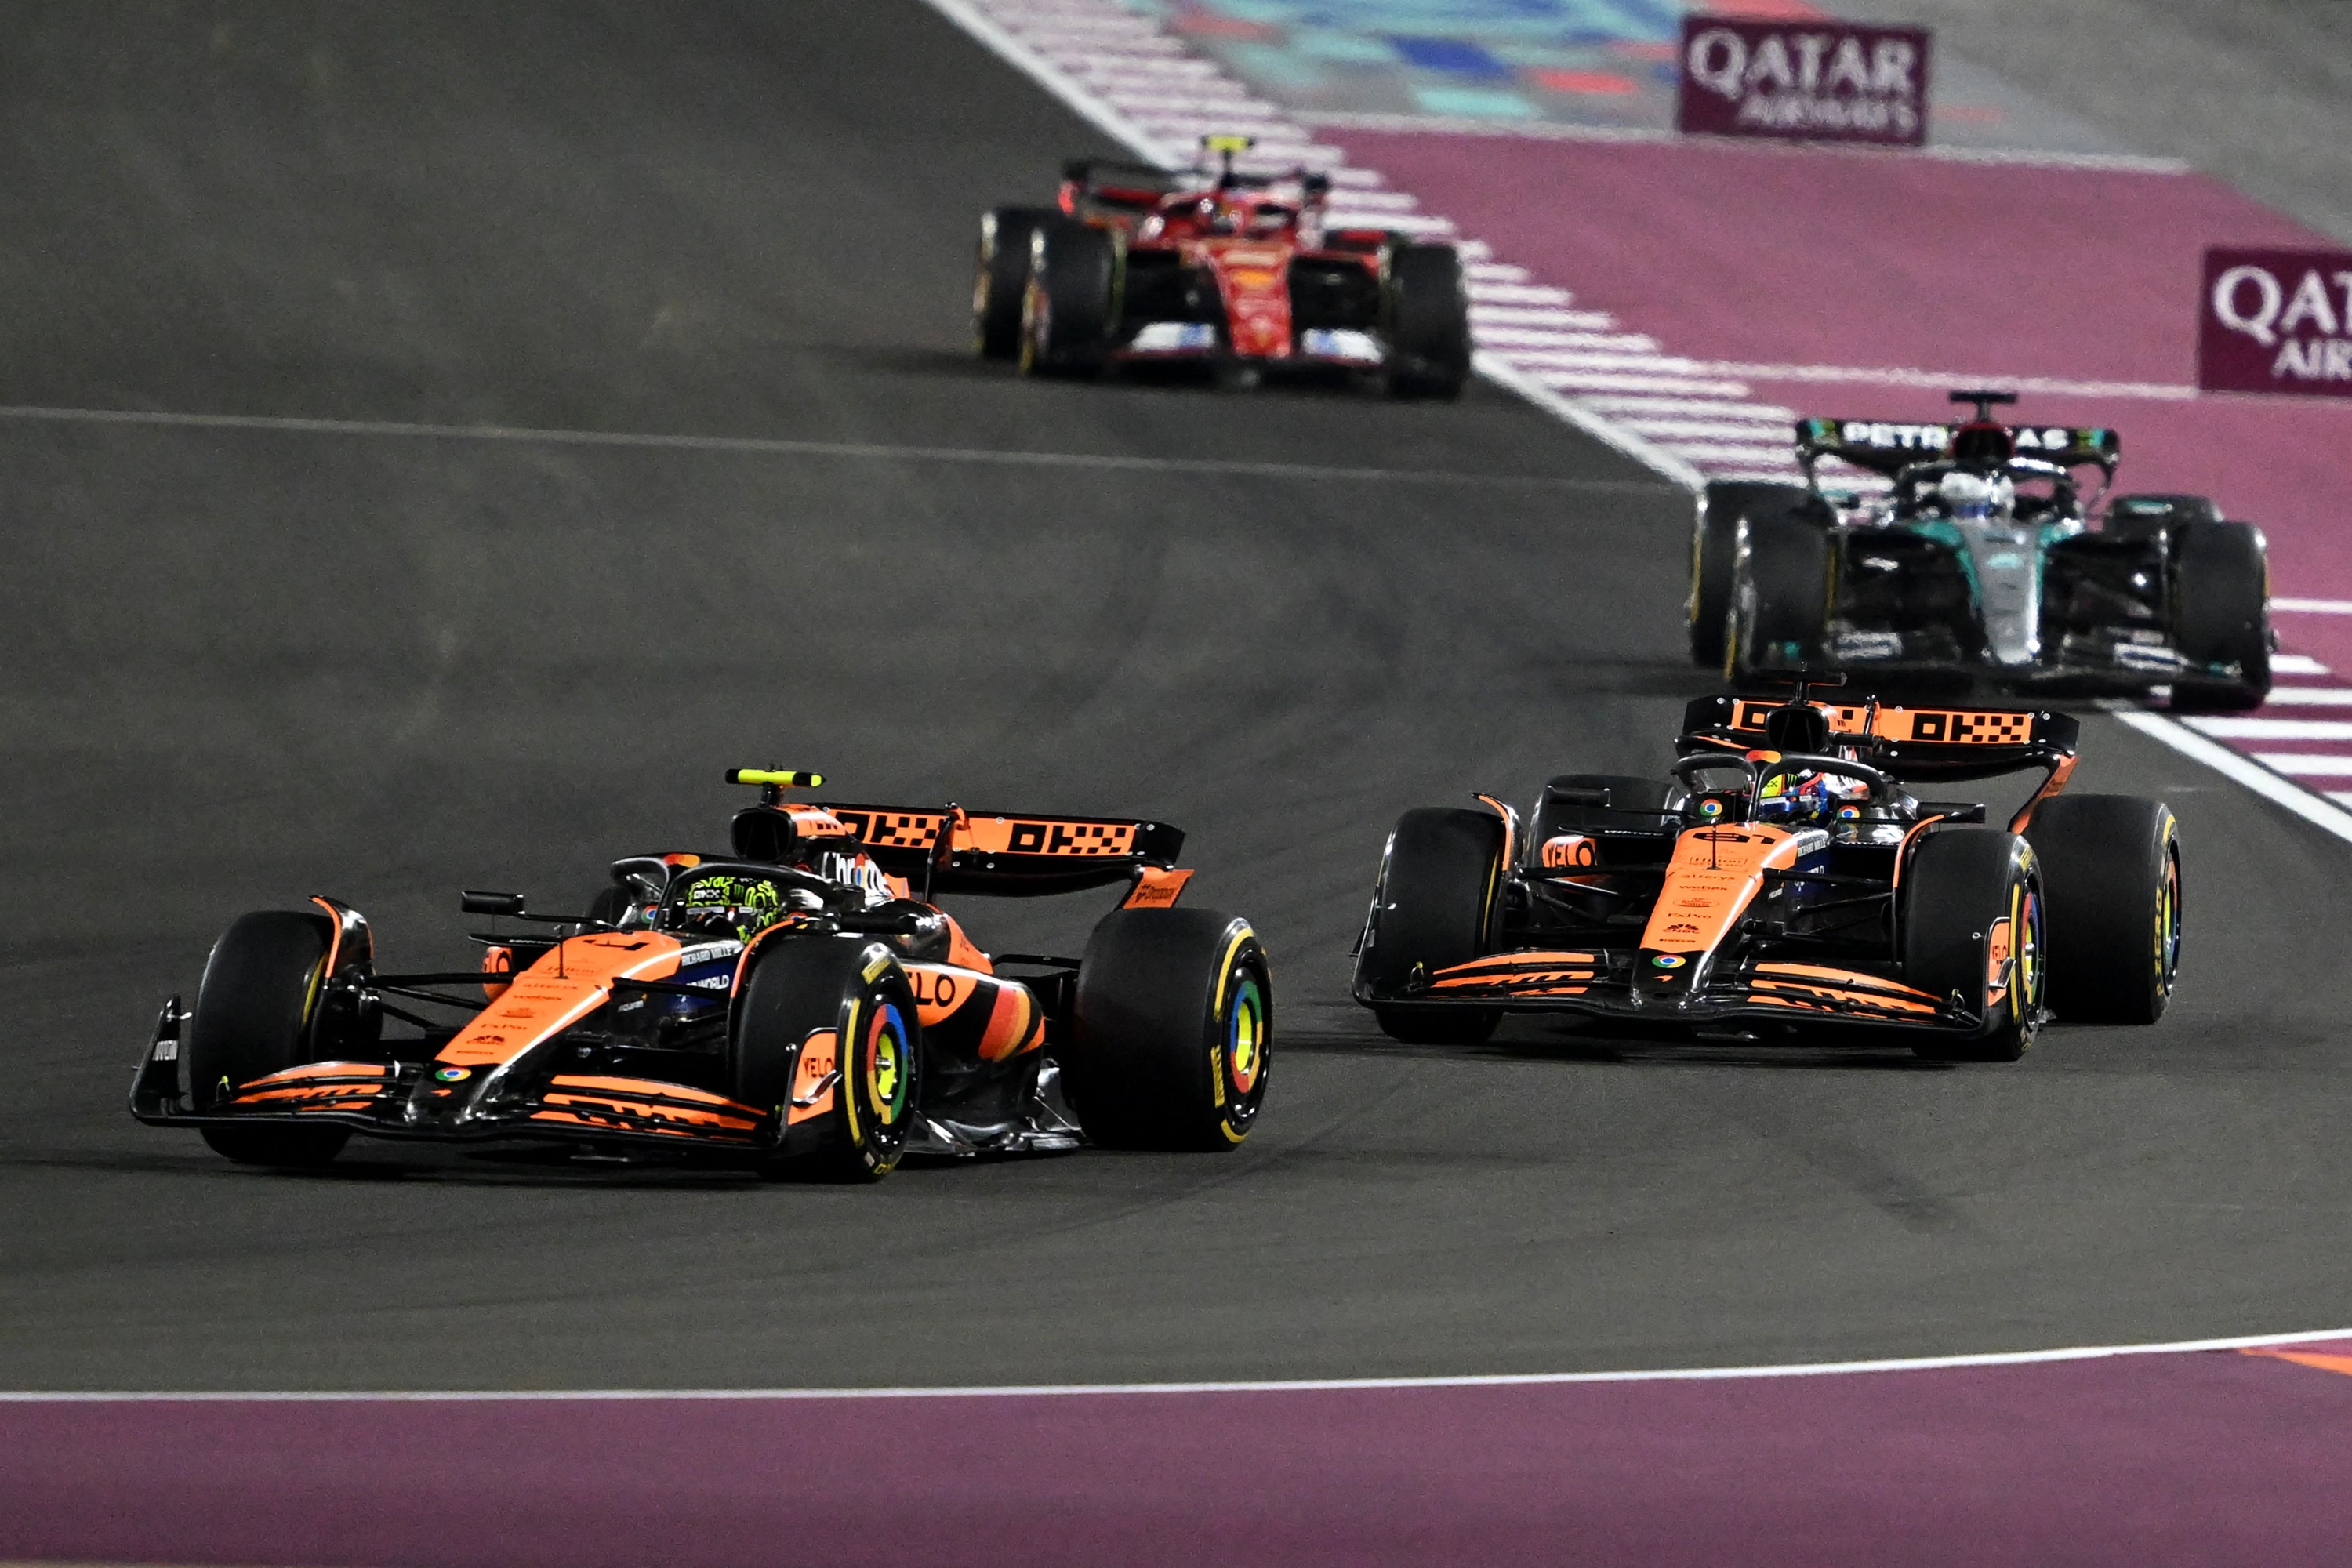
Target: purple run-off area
x=2210 y=1457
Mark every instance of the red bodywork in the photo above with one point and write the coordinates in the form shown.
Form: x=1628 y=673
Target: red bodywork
x=1245 y=237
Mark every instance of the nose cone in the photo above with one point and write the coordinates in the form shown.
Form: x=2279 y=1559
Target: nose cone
x=1665 y=978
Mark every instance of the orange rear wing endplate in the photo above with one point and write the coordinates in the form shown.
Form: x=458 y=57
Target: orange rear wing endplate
x=1007 y=853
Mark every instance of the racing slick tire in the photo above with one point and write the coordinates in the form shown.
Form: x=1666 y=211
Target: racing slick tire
x=799 y=990
x=1067 y=302
x=1962 y=885
x=254 y=1012
x=1172 y=1030
x=1715 y=555
x=1779 y=595
x=1428 y=322
x=1000 y=277
x=1434 y=905
x=2111 y=876
x=2221 y=614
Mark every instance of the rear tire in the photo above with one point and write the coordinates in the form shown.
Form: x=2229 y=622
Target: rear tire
x=801 y=990
x=1433 y=906
x=2221 y=614
x=1000 y=275
x=253 y=1017
x=2110 y=869
x=1172 y=1031
x=1428 y=322
x=1962 y=888
x=1780 y=602
x=1715 y=557
x=1065 y=304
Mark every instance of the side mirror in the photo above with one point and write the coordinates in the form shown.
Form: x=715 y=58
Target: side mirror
x=474 y=903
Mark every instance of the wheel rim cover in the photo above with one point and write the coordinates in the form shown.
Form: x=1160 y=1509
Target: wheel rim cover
x=887 y=1064
x=1246 y=1035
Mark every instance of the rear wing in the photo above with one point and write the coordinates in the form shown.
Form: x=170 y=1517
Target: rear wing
x=1109 y=182
x=1926 y=744
x=1888 y=448
x=1014 y=854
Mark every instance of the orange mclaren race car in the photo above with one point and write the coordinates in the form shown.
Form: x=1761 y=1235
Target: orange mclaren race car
x=799 y=1005
x=1783 y=881
x=1139 y=263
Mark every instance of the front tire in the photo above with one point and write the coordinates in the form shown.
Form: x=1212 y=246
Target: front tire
x=843 y=996
x=1067 y=304
x=1172 y=1030
x=2221 y=615
x=1780 y=593
x=1428 y=322
x=1433 y=906
x=1715 y=557
x=1973 y=931
x=1000 y=275
x=2111 y=864
x=254 y=1011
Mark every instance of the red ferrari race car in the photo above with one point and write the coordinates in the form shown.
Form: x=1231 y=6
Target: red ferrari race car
x=799 y=1006
x=1139 y=263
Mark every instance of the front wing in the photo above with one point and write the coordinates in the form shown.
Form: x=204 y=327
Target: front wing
x=409 y=1101
x=1600 y=984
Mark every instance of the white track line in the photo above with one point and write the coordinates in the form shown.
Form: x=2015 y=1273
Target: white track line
x=756 y=446
x=1608 y=432
x=2314 y=606
x=1042 y=71
x=1296 y=1385
x=2321 y=813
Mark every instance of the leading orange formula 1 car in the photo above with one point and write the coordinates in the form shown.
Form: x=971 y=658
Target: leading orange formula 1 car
x=799 y=1005
x=1783 y=882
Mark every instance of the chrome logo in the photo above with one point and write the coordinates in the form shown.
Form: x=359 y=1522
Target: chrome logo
x=1669 y=961
x=453 y=1074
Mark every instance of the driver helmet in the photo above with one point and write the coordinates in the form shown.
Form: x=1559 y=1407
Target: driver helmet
x=1812 y=797
x=730 y=905
x=1976 y=498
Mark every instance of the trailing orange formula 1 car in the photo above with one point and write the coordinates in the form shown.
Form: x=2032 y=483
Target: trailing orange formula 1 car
x=799 y=1005
x=1784 y=881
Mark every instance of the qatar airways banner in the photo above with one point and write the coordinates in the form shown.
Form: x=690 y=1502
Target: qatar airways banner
x=2276 y=320
x=1816 y=81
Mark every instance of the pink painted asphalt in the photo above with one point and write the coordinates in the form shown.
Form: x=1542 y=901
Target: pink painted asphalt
x=1814 y=258
x=2210 y=1457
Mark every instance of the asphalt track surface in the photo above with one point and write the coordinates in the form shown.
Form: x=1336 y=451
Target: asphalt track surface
x=252 y=661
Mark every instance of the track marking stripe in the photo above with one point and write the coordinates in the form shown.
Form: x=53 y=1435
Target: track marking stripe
x=1297 y=1385
x=2314 y=606
x=763 y=447
x=2321 y=813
